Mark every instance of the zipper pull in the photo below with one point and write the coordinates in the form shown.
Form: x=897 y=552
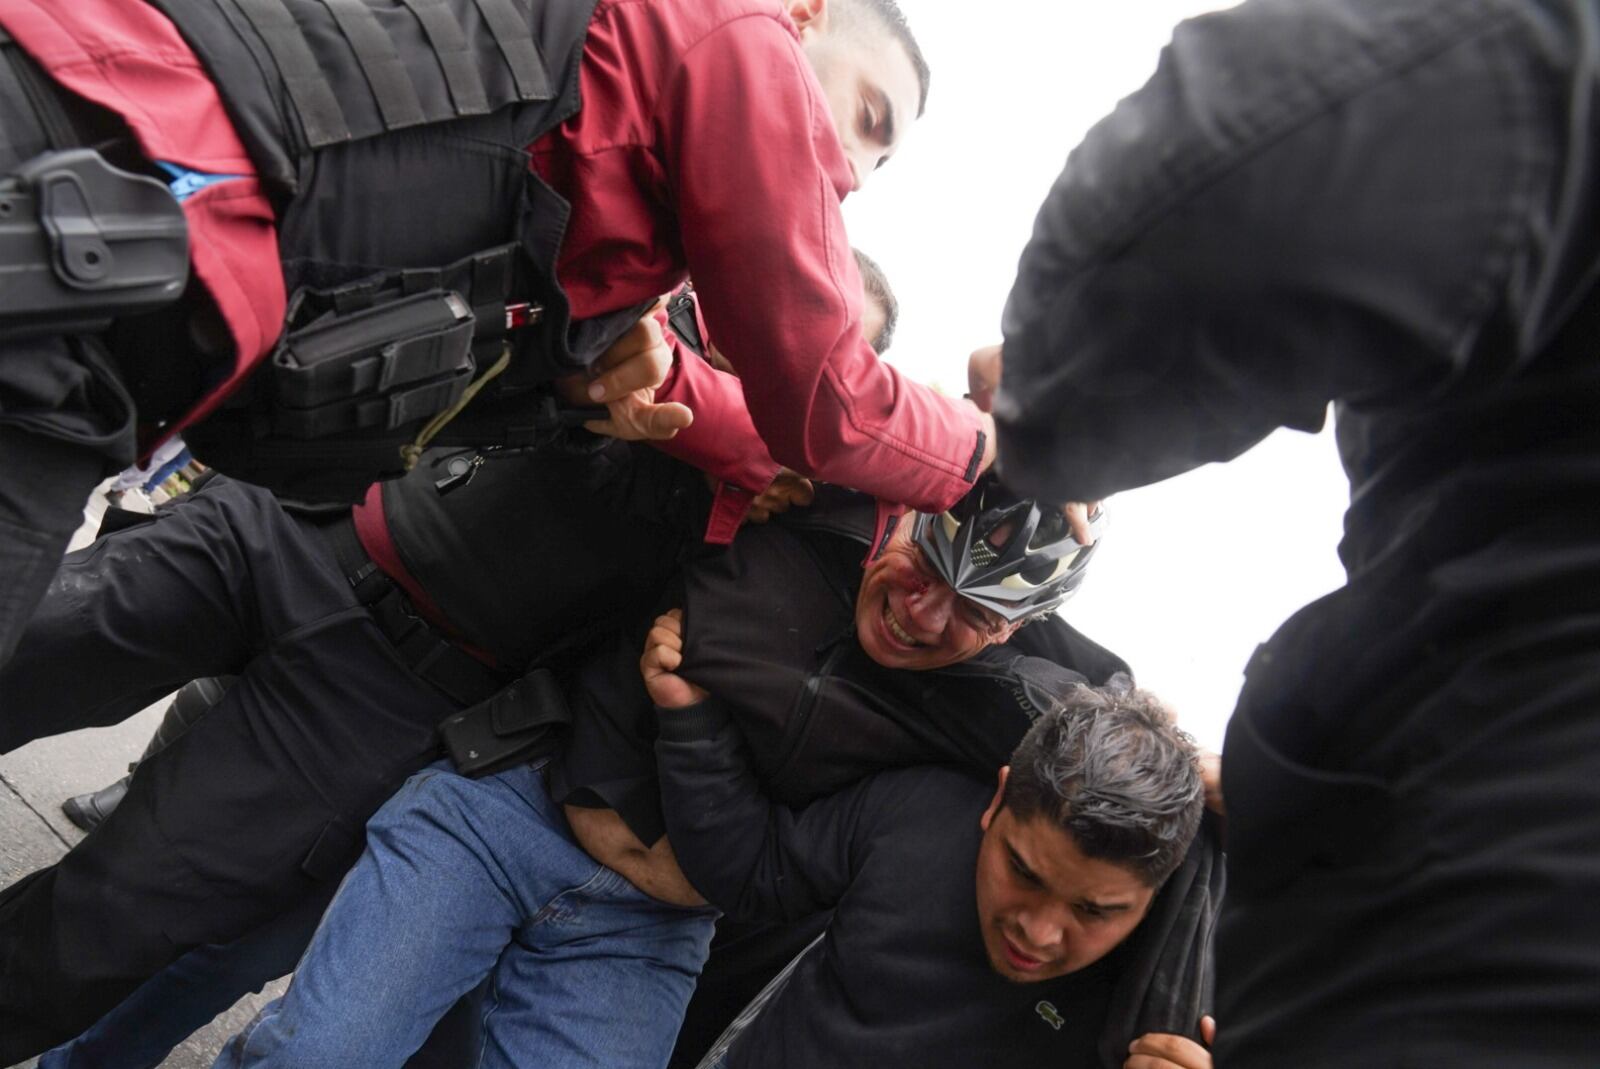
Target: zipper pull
x=461 y=473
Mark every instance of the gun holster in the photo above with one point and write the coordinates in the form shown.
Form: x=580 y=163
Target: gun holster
x=517 y=723
x=83 y=242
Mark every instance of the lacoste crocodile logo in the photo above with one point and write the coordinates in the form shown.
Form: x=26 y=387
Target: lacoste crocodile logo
x=1051 y=1015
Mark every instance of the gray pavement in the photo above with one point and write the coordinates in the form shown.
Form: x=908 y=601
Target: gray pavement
x=37 y=778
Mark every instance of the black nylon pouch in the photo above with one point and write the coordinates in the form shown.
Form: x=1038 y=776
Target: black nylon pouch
x=380 y=366
x=517 y=723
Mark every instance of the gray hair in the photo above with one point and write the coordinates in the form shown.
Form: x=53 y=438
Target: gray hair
x=1112 y=769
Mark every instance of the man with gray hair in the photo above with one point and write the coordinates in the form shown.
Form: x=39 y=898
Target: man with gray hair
x=1097 y=809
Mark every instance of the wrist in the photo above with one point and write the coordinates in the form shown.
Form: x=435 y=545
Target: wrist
x=688 y=722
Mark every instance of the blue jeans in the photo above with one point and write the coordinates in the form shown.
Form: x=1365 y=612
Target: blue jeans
x=463 y=879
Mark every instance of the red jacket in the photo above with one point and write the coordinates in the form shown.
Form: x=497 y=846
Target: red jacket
x=723 y=442
x=705 y=145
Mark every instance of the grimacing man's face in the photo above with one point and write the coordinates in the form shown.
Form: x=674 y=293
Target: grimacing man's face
x=908 y=617
x=1045 y=909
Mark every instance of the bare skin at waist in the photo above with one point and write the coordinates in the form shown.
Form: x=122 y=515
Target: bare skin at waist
x=652 y=869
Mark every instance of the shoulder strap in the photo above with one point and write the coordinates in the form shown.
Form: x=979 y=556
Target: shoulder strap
x=356 y=68
x=455 y=58
x=310 y=92
x=509 y=25
x=391 y=86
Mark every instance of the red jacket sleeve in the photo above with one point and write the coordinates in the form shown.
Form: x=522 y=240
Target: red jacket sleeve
x=757 y=175
x=722 y=440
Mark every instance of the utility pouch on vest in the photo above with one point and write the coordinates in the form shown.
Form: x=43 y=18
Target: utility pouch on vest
x=381 y=366
x=517 y=723
x=82 y=242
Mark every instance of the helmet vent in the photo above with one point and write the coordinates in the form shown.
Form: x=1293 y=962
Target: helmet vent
x=982 y=555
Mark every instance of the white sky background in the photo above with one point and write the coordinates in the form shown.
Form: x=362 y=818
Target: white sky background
x=1197 y=570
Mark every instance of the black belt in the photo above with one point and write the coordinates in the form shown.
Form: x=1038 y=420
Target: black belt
x=428 y=653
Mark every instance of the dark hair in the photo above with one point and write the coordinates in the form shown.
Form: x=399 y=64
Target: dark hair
x=888 y=15
x=876 y=285
x=1113 y=770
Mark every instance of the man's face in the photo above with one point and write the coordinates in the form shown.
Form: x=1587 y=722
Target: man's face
x=907 y=617
x=870 y=84
x=1046 y=910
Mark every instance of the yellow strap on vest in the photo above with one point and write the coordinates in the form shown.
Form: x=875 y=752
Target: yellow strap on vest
x=413 y=452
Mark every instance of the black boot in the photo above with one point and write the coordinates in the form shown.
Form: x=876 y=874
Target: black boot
x=191 y=702
x=88 y=810
x=187 y=706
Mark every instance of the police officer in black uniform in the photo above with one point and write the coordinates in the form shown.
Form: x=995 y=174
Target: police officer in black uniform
x=1392 y=205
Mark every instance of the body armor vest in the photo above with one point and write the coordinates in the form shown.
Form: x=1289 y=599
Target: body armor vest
x=417 y=247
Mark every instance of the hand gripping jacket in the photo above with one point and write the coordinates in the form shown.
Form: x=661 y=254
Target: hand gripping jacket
x=417 y=248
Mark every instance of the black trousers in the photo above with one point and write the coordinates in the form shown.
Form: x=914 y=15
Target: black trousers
x=258 y=803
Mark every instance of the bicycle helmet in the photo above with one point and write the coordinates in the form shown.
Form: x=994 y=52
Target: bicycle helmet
x=1007 y=553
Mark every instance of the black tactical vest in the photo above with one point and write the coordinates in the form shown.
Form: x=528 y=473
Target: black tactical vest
x=391 y=135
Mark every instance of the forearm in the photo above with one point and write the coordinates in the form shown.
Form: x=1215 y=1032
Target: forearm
x=823 y=402
x=653 y=869
x=1255 y=233
x=747 y=856
x=722 y=441
x=872 y=429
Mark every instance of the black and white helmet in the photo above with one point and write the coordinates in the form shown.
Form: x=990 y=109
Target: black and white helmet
x=1007 y=553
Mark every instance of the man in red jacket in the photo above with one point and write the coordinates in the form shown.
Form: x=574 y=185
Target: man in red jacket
x=663 y=137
